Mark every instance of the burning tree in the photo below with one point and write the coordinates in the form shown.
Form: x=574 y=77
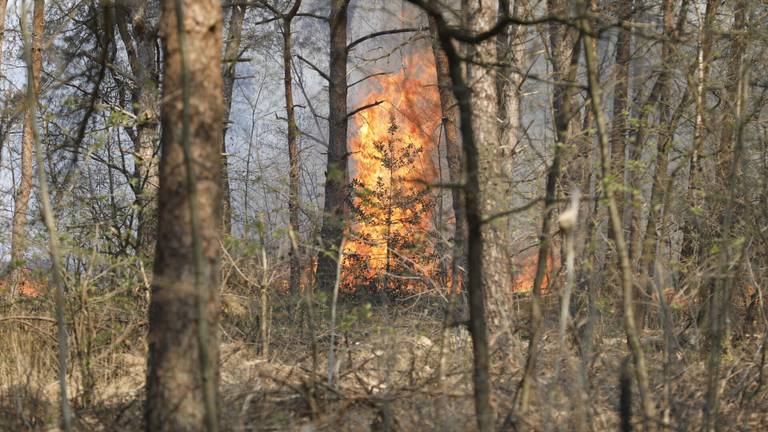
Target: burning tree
x=391 y=249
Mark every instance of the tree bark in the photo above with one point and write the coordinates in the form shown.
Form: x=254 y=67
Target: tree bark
x=473 y=204
x=229 y=67
x=450 y=120
x=182 y=376
x=494 y=187
x=336 y=172
x=3 y=7
x=19 y=223
x=293 y=150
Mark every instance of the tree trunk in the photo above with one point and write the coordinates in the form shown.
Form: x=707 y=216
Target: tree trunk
x=630 y=326
x=143 y=62
x=19 y=223
x=3 y=7
x=140 y=46
x=666 y=132
x=565 y=54
x=336 y=172
x=510 y=52
x=494 y=187
x=725 y=153
x=620 y=93
x=450 y=120
x=182 y=376
x=293 y=151
x=229 y=67
x=692 y=238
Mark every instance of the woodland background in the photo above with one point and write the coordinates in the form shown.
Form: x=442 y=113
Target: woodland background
x=383 y=215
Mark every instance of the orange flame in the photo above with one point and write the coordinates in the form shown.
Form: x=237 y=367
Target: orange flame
x=526 y=273
x=410 y=100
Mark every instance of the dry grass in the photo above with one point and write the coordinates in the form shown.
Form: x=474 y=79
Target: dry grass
x=388 y=371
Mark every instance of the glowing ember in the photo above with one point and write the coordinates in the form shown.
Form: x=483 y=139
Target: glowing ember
x=393 y=153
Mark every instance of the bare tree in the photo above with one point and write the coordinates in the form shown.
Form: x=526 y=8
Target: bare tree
x=630 y=324
x=19 y=235
x=336 y=171
x=564 y=45
x=228 y=69
x=137 y=24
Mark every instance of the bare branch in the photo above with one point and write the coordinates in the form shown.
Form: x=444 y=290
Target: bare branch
x=352 y=45
x=364 y=107
x=315 y=68
x=367 y=77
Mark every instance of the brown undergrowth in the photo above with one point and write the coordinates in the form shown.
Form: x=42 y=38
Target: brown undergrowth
x=389 y=373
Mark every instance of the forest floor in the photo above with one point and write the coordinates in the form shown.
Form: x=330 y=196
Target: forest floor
x=396 y=370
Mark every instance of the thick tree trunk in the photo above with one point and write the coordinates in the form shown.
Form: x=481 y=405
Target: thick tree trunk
x=494 y=187
x=450 y=119
x=182 y=376
x=229 y=67
x=475 y=256
x=19 y=223
x=336 y=172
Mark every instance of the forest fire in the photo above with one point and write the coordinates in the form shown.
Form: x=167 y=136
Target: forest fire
x=392 y=149
x=525 y=273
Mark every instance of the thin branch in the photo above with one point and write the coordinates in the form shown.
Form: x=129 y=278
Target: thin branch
x=315 y=68
x=352 y=45
x=364 y=107
x=367 y=77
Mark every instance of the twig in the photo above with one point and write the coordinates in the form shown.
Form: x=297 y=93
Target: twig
x=331 y=348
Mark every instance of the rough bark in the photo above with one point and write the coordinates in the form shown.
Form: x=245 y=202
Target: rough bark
x=450 y=120
x=229 y=67
x=19 y=223
x=182 y=375
x=3 y=7
x=494 y=187
x=473 y=205
x=336 y=171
